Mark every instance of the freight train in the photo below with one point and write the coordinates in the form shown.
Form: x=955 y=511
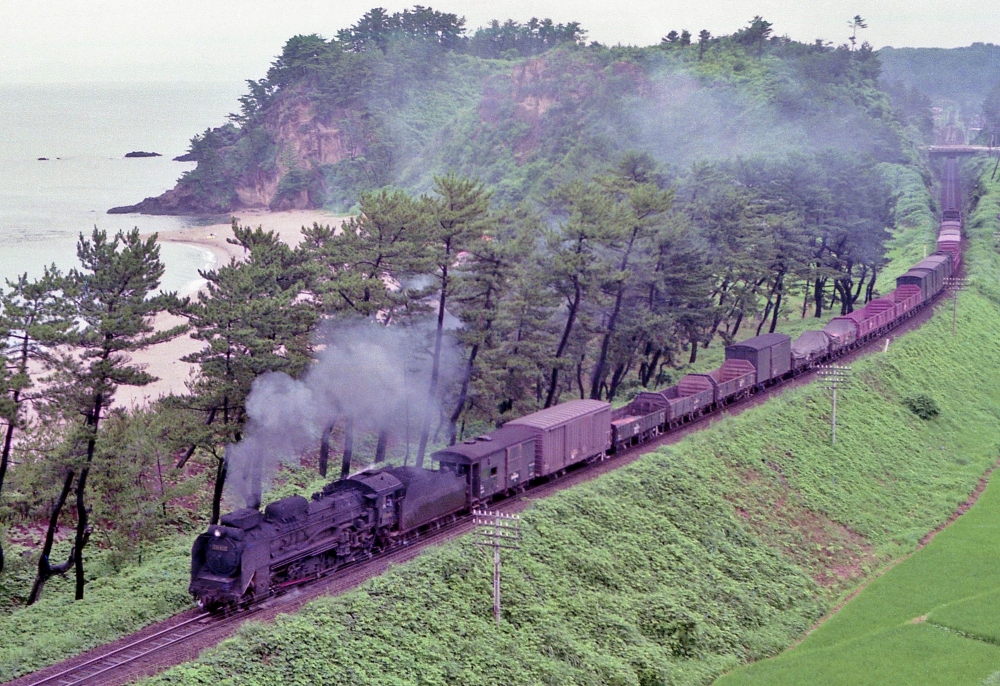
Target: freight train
x=251 y=554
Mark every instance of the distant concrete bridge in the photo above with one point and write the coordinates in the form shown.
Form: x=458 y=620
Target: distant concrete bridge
x=957 y=150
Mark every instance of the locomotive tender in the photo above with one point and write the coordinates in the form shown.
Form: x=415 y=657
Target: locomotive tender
x=251 y=554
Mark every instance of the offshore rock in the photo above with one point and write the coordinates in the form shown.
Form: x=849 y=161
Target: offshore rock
x=142 y=153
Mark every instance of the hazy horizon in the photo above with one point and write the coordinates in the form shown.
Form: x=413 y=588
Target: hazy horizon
x=59 y=41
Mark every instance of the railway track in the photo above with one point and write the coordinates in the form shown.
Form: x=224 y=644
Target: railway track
x=182 y=637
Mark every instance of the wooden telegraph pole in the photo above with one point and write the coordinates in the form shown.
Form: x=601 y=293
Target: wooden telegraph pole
x=497 y=530
x=956 y=284
x=834 y=376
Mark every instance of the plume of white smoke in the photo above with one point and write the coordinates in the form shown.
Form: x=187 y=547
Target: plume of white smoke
x=371 y=374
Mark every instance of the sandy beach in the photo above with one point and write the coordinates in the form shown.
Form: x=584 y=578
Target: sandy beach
x=164 y=360
x=288 y=225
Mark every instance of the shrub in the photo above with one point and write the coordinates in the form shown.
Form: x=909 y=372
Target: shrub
x=923 y=406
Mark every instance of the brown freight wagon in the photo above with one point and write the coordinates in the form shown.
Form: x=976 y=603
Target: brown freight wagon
x=494 y=463
x=677 y=405
x=732 y=378
x=809 y=348
x=630 y=427
x=770 y=354
x=568 y=433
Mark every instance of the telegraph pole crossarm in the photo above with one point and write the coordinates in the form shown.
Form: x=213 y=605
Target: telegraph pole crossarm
x=497 y=530
x=956 y=284
x=834 y=377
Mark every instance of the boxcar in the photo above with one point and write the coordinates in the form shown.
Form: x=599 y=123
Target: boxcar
x=922 y=278
x=770 y=354
x=494 y=463
x=568 y=433
x=940 y=266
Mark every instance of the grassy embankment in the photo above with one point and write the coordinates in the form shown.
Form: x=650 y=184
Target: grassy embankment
x=718 y=550
x=935 y=618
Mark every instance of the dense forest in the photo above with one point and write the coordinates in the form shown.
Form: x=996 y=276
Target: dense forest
x=534 y=218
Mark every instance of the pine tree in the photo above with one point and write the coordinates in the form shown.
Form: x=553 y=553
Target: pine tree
x=115 y=298
x=252 y=321
x=456 y=217
x=34 y=316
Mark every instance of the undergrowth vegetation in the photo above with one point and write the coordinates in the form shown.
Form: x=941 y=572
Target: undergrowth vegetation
x=116 y=604
x=715 y=551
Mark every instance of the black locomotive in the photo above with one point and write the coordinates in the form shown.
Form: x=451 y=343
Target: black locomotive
x=252 y=553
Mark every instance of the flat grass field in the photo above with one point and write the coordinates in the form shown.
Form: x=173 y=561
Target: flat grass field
x=932 y=619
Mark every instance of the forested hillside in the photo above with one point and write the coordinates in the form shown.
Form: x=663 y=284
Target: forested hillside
x=962 y=75
x=394 y=100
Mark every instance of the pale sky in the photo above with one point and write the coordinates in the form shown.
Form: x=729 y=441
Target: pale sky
x=233 y=40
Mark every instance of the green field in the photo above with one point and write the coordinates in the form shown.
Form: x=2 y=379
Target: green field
x=935 y=618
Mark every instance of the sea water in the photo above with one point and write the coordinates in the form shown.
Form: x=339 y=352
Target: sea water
x=84 y=131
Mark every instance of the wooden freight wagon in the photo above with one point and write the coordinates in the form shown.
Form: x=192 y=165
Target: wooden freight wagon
x=922 y=278
x=770 y=354
x=906 y=299
x=882 y=311
x=732 y=378
x=568 y=433
x=842 y=332
x=494 y=463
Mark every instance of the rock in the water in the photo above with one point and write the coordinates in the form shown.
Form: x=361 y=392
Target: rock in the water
x=142 y=153
x=43 y=159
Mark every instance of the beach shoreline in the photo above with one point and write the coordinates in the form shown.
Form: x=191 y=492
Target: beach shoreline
x=288 y=225
x=164 y=360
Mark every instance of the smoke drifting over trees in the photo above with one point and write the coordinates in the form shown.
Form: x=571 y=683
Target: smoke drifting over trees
x=370 y=375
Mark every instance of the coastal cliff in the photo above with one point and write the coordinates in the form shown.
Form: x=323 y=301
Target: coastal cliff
x=368 y=109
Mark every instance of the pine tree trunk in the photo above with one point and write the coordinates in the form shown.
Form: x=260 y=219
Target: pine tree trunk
x=574 y=306
x=774 y=317
x=324 y=450
x=45 y=570
x=4 y=457
x=345 y=464
x=463 y=395
x=381 y=445
x=435 y=372
x=82 y=521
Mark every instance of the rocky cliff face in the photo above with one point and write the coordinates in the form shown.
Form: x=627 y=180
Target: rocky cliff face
x=290 y=157
x=297 y=138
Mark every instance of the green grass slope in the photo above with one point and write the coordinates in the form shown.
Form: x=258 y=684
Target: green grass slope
x=704 y=555
x=934 y=619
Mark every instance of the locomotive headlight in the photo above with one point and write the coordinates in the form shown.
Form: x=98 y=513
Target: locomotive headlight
x=218 y=533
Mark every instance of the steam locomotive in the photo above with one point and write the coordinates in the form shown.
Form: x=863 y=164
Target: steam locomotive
x=251 y=554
